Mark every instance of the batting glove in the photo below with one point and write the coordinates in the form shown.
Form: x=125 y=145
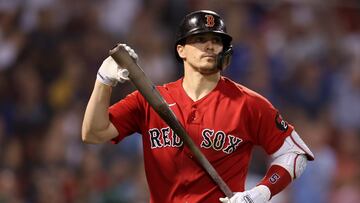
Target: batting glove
x=259 y=194
x=110 y=73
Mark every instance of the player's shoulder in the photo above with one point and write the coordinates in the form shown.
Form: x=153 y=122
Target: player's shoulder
x=238 y=89
x=164 y=89
x=169 y=86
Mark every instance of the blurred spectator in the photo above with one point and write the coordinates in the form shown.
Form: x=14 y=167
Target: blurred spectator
x=347 y=179
x=345 y=106
x=9 y=187
x=316 y=181
x=117 y=16
x=11 y=39
x=308 y=87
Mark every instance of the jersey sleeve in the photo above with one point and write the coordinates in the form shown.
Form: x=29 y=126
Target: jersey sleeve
x=126 y=115
x=268 y=128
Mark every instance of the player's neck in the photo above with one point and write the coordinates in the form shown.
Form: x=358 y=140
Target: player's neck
x=197 y=85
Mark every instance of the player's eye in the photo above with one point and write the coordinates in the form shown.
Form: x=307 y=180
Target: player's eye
x=203 y=39
x=217 y=40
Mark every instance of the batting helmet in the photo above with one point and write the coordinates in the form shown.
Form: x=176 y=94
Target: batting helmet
x=204 y=21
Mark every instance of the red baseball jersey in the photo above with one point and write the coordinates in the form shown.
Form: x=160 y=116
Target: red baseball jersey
x=225 y=125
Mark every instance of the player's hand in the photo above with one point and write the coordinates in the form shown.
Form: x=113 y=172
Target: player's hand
x=259 y=194
x=110 y=73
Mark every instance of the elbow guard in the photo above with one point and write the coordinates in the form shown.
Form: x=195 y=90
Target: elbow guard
x=293 y=155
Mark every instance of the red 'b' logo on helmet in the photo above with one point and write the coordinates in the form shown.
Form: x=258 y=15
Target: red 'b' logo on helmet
x=210 y=21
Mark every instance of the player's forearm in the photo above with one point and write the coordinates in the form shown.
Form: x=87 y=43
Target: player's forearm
x=97 y=127
x=289 y=163
x=96 y=119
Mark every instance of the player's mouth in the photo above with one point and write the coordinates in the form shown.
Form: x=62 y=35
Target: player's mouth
x=209 y=56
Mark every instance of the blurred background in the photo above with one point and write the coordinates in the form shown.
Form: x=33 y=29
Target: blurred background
x=303 y=55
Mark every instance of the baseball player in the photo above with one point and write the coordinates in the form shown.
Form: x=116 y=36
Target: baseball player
x=224 y=119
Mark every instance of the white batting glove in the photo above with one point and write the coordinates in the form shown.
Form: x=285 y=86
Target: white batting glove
x=259 y=194
x=110 y=73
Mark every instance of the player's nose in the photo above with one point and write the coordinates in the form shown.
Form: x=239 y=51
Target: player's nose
x=209 y=44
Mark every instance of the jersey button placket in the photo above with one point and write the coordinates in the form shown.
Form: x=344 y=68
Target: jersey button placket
x=191 y=120
x=193 y=115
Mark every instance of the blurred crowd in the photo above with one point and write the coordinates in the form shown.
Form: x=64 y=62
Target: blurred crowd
x=303 y=55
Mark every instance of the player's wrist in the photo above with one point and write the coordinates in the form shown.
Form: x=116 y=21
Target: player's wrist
x=276 y=179
x=258 y=194
x=105 y=80
x=264 y=191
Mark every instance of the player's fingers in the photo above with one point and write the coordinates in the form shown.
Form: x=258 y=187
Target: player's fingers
x=122 y=75
x=224 y=200
x=131 y=51
x=110 y=62
x=133 y=54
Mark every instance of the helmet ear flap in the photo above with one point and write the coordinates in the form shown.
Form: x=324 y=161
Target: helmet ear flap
x=224 y=58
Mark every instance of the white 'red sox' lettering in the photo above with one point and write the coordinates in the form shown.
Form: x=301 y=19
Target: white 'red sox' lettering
x=218 y=140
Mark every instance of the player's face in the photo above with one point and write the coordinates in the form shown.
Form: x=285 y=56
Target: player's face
x=200 y=52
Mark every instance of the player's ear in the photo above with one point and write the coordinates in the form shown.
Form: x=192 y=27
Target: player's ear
x=180 y=51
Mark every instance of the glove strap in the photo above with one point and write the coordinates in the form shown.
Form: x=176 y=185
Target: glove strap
x=105 y=80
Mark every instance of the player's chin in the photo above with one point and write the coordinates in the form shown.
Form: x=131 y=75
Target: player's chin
x=209 y=69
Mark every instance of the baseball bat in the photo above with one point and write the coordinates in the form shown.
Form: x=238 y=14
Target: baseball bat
x=157 y=102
